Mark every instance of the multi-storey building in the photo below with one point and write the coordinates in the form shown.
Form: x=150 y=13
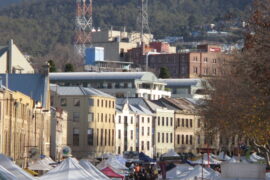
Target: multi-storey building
x=13 y=61
x=118 y=84
x=163 y=128
x=134 y=126
x=58 y=132
x=117 y=43
x=24 y=125
x=189 y=134
x=206 y=60
x=91 y=116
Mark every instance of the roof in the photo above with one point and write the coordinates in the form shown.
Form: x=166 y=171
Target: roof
x=77 y=90
x=72 y=76
x=32 y=85
x=3 y=49
x=177 y=103
x=181 y=82
x=136 y=105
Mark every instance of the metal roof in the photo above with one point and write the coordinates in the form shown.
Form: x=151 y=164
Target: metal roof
x=101 y=76
x=33 y=85
x=136 y=105
x=77 y=91
x=181 y=82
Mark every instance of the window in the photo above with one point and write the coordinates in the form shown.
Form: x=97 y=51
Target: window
x=97 y=136
x=105 y=141
x=76 y=137
x=142 y=131
x=178 y=139
x=199 y=139
x=214 y=60
x=162 y=121
x=187 y=123
x=109 y=138
x=158 y=121
x=171 y=121
x=167 y=121
x=183 y=122
x=119 y=150
x=158 y=137
x=112 y=137
x=205 y=70
x=167 y=137
x=190 y=139
x=76 y=102
x=90 y=117
x=119 y=134
x=63 y=102
x=101 y=103
x=199 y=123
x=131 y=120
x=162 y=137
x=178 y=122
x=214 y=71
x=90 y=137
x=195 y=70
x=205 y=59
x=98 y=102
x=91 y=102
x=106 y=103
x=142 y=145
x=148 y=120
x=101 y=137
x=148 y=145
x=119 y=119
x=186 y=139
x=148 y=131
x=101 y=117
x=171 y=138
x=190 y=123
x=183 y=139
x=131 y=134
x=76 y=116
x=142 y=119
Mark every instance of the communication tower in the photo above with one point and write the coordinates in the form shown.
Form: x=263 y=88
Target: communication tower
x=84 y=26
x=143 y=20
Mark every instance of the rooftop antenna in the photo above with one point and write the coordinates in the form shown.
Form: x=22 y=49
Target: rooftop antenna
x=84 y=26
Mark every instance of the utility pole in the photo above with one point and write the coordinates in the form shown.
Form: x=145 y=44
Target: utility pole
x=84 y=26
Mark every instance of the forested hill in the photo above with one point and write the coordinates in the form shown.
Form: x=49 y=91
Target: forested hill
x=38 y=25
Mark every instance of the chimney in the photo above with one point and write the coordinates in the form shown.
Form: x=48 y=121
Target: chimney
x=10 y=49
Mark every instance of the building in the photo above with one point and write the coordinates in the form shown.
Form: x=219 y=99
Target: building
x=118 y=84
x=117 y=43
x=25 y=127
x=13 y=61
x=134 y=126
x=58 y=132
x=187 y=88
x=189 y=134
x=91 y=114
x=163 y=127
x=206 y=60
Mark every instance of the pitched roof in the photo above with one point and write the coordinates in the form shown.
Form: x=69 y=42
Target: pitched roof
x=77 y=90
x=136 y=105
x=33 y=85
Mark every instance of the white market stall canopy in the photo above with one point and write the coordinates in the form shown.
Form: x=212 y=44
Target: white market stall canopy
x=113 y=163
x=6 y=175
x=199 y=172
x=205 y=160
x=69 y=169
x=171 y=153
x=91 y=169
x=40 y=165
x=178 y=171
x=14 y=169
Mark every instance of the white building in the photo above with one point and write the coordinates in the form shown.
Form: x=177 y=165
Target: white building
x=118 y=84
x=134 y=128
x=13 y=61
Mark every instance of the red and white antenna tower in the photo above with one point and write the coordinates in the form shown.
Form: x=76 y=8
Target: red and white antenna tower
x=84 y=26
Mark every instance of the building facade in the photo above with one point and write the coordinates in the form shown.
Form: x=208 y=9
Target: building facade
x=13 y=61
x=25 y=126
x=139 y=126
x=91 y=115
x=118 y=84
x=59 y=136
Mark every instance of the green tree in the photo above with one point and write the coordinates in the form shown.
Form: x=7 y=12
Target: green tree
x=69 y=68
x=52 y=66
x=164 y=73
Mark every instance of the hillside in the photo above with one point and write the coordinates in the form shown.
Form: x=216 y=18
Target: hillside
x=4 y=3
x=46 y=23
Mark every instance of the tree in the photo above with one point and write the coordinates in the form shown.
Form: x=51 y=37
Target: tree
x=240 y=101
x=164 y=73
x=69 y=68
x=52 y=66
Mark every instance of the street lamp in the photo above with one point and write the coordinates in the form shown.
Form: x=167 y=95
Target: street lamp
x=147 y=57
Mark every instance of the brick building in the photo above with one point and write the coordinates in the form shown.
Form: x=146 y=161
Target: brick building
x=206 y=60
